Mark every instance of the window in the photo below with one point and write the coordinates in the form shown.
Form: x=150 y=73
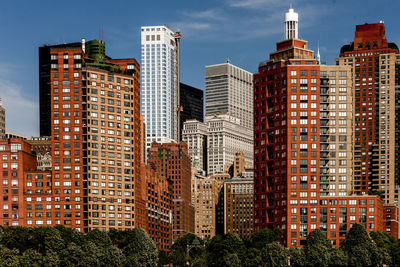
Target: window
x=304 y=81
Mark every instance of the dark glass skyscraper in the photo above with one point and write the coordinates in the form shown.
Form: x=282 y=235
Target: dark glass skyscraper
x=191 y=100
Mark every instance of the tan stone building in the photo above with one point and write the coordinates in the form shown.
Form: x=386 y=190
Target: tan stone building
x=41 y=146
x=205 y=197
x=238 y=206
x=336 y=134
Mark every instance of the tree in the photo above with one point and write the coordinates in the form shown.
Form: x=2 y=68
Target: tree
x=274 y=254
x=9 y=257
x=388 y=244
x=16 y=237
x=178 y=258
x=297 y=258
x=51 y=259
x=220 y=246
x=69 y=235
x=92 y=255
x=163 y=258
x=31 y=258
x=112 y=256
x=199 y=262
x=360 y=249
x=231 y=260
x=99 y=238
x=71 y=255
x=139 y=249
x=45 y=239
x=317 y=249
x=337 y=257
x=260 y=239
x=252 y=258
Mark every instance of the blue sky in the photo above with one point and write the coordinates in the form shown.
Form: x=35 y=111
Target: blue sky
x=245 y=31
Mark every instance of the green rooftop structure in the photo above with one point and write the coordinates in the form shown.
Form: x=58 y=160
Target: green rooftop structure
x=96 y=50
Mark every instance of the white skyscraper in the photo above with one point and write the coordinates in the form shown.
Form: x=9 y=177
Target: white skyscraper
x=159 y=83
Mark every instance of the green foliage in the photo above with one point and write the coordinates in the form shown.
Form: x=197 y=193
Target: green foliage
x=221 y=246
x=360 y=249
x=252 y=258
x=261 y=238
x=31 y=258
x=263 y=249
x=317 y=249
x=389 y=246
x=9 y=257
x=99 y=238
x=274 y=255
x=61 y=246
x=337 y=257
x=231 y=260
x=297 y=257
x=139 y=249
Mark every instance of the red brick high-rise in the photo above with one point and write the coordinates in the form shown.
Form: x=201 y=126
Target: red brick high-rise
x=16 y=160
x=89 y=105
x=375 y=65
x=302 y=146
x=172 y=161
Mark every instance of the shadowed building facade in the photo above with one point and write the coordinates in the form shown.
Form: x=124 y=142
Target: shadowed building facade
x=172 y=161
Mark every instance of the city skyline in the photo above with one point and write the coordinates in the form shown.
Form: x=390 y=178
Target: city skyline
x=302 y=144
x=211 y=34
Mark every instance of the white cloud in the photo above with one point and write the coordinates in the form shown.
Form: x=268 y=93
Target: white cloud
x=22 y=113
x=212 y=14
x=256 y=4
x=245 y=19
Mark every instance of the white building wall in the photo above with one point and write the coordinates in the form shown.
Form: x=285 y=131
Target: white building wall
x=157 y=83
x=226 y=137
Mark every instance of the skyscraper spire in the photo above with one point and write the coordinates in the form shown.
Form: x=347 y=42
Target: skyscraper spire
x=318 y=57
x=291 y=24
